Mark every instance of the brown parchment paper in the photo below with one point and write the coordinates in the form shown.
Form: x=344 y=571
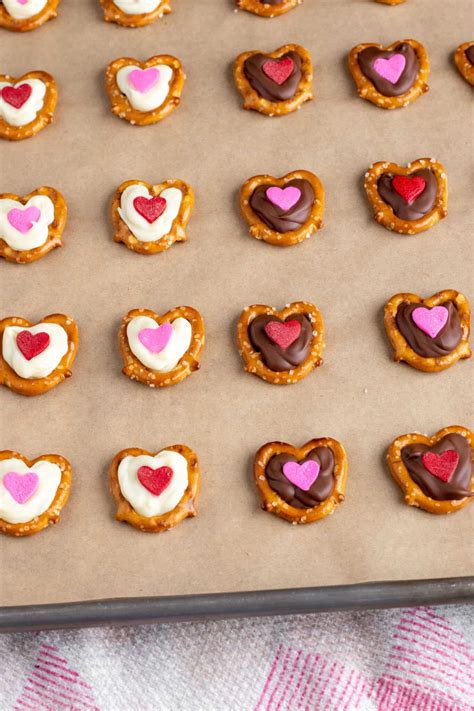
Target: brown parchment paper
x=349 y=270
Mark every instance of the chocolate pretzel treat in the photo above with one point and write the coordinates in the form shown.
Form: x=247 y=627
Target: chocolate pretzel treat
x=434 y=473
x=36 y=357
x=161 y=350
x=390 y=77
x=408 y=200
x=150 y=218
x=135 y=13
x=301 y=485
x=32 y=493
x=429 y=334
x=143 y=93
x=26 y=15
x=276 y=83
x=268 y=8
x=281 y=347
x=27 y=104
x=464 y=60
x=155 y=492
x=283 y=211
x=31 y=226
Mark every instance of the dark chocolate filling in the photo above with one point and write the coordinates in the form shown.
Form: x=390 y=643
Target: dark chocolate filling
x=273 y=356
x=278 y=219
x=419 y=207
x=266 y=87
x=320 y=490
x=470 y=54
x=444 y=343
x=368 y=56
x=459 y=485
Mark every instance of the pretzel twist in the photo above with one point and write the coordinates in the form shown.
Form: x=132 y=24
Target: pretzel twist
x=413 y=495
x=157 y=524
x=49 y=12
x=44 y=115
x=112 y=13
x=464 y=66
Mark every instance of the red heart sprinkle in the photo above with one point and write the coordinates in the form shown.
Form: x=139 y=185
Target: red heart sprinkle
x=283 y=333
x=441 y=465
x=409 y=188
x=32 y=344
x=150 y=208
x=155 y=480
x=16 y=96
x=278 y=69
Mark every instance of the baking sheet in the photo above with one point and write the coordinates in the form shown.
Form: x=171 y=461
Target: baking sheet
x=349 y=270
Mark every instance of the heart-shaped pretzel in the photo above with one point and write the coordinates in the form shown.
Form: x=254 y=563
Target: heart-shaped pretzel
x=43 y=116
x=54 y=229
x=52 y=514
x=412 y=491
x=366 y=88
x=113 y=13
x=253 y=359
x=464 y=61
x=402 y=349
x=22 y=21
x=177 y=233
x=121 y=105
x=272 y=8
x=156 y=524
x=253 y=100
x=272 y=502
x=187 y=363
x=38 y=386
x=384 y=213
x=260 y=230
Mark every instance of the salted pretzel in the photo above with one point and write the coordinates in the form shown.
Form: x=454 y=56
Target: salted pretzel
x=142 y=484
x=464 y=61
x=32 y=493
x=27 y=15
x=442 y=467
x=301 y=481
x=276 y=71
x=20 y=98
x=271 y=8
x=115 y=11
x=392 y=72
x=280 y=204
x=38 y=219
x=447 y=312
x=311 y=355
x=156 y=83
x=384 y=213
x=140 y=211
x=186 y=345
x=54 y=340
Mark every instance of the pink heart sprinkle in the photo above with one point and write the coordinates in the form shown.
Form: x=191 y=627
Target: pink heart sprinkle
x=431 y=321
x=392 y=68
x=23 y=220
x=302 y=475
x=23 y=2
x=156 y=339
x=21 y=486
x=144 y=79
x=284 y=198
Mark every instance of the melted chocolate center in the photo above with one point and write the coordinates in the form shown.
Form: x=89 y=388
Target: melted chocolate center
x=407 y=78
x=444 y=343
x=273 y=356
x=459 y=485
x=266 y=87
x=319 y=491
x=419 y=207
x=470 y=54
x=283 y=220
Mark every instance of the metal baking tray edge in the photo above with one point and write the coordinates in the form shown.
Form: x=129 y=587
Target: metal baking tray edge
x=133 y=611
